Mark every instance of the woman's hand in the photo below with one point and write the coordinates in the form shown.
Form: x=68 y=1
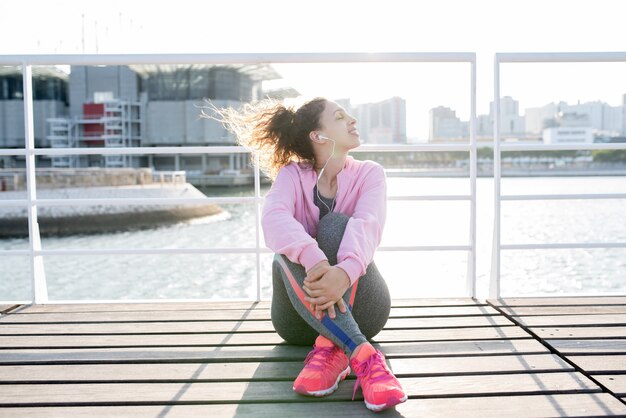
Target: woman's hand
x=325 y=286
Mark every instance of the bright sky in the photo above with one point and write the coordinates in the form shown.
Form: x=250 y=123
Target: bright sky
x=481 y=26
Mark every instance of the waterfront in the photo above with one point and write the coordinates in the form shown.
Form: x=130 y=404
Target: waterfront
x=420 y=274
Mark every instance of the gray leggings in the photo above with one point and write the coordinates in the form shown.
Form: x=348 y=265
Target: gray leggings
x=297 y=325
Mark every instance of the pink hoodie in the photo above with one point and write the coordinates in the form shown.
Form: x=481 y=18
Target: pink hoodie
x=290 y=216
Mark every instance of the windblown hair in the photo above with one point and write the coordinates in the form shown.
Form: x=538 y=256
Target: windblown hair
x=275 y=133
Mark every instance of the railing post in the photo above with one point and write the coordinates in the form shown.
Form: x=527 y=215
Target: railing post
x=471 y=262
x=257 y=207
x=39 y=287
x=494 y=287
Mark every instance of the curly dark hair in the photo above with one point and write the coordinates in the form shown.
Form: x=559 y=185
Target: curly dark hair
x=277 y=134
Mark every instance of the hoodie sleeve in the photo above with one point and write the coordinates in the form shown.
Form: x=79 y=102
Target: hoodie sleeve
x=284 y=234
x=364 y=230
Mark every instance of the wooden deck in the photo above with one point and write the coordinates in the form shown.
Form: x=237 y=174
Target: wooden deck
x=455 y=357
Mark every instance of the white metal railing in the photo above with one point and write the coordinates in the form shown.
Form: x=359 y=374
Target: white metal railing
x=35 y=251
x=494 y=287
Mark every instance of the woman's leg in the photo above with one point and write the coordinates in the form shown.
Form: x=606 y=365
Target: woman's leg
x=291 y=314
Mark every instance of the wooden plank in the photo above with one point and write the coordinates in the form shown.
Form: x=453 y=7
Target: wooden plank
x=569 y=347
x=138 y=316
x=220 y=315
x=572 y=320
x=216 y=305
x=207 y=392
x=455 y=322
x=262 y=352
x=559 y=301
x=247 y=338
x=268 y=370
x=580 y=332
x=146 y=340
x=139 y=306
x=137 y=328
x=451 y=334
x=615 y=383
x=594 y=364
x=228 y=326
x=564 y=310
x=437 y=302
x=579 y=405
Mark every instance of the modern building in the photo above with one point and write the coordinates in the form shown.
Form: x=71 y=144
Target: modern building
x=381 y=122
x=606 y=120
x=568 y=135
x=511 y=123
x=152 y=105
x=50 y=99
x=445 y=125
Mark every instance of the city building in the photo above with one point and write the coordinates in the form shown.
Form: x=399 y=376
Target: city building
x=130 y=106
x=50 y=99
x=445 y=125
x=382 y=122
x=511 y=123
x=158 y=105
x=568 y=135
x=606 y=120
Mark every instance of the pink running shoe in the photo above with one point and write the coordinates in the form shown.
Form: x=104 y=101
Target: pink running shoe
x=381 y=389
x=324 y=368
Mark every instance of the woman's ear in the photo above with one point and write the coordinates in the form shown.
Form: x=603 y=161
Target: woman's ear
x=314 y=136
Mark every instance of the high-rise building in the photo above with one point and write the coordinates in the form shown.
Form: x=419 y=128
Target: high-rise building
x=599 y=116
x=511 y=123
x=382 y=122
x=445 y=125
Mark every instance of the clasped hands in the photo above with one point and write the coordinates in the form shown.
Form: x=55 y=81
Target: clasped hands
x=325 y=286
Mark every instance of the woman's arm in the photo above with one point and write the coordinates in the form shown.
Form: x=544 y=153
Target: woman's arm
x=365 y=227
x=284 y=234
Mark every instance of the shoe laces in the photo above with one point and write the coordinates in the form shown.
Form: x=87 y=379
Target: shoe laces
x=372 y=369
x=319 y=357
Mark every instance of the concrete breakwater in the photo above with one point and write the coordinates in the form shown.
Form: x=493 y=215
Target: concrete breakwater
x=93 y=219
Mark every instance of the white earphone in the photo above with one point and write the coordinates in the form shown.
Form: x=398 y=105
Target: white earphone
x=332 y=205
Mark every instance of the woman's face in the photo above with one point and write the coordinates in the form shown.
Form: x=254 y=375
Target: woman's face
x=340 y=126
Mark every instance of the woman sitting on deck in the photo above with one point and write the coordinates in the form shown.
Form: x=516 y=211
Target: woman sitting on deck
x=323 y=217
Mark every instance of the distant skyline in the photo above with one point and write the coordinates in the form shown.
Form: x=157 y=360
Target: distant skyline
x=481 y=26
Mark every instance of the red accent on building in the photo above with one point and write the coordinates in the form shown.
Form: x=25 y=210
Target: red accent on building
x=96 y=130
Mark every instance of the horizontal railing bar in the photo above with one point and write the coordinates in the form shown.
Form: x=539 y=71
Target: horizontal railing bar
x=560 y=57
x=430 y=197
x=132 y=201
x=190 y=150
x=426 y=248
x=148 y=251
x=14 y=252
x=244 y=58
x=562 y=147
x=14 y=202
x=142 y=150
x=13 y=152
x=414 y=147
x=581 y=196
x=557 y=246
x=182 y=201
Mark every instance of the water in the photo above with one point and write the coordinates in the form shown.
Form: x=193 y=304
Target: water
x=409 y=274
